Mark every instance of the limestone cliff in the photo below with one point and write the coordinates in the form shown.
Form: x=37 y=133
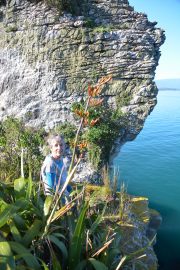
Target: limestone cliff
x=46 y=60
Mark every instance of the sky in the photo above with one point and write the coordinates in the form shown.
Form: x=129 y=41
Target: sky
x=167 y=14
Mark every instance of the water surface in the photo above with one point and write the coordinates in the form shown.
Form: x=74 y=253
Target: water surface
x=150 y=166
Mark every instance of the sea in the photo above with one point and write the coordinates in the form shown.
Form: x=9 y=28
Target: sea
x=150 y=166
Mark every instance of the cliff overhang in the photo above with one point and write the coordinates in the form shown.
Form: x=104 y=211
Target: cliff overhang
x=47 y=60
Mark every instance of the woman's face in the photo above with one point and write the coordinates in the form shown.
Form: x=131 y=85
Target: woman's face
x=56 y=148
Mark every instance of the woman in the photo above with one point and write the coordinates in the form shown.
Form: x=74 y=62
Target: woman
x=54 y=168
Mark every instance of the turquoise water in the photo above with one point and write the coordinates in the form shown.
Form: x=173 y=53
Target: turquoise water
x=150 y=166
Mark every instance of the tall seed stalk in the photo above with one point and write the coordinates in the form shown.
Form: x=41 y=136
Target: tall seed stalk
x=93 y=91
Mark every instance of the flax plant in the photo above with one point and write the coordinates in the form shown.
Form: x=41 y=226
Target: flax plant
x=36 y=234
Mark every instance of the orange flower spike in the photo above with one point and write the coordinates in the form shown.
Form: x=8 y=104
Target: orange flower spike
x=100 y=101
x=92 y=102
x=77 y=112
x=82 y=145
x=97 y=90
x=85 y=121
x=90 y=90
x=105 y=79
x=80 y=113
x=96 y=102
x=86 y=114
x=94 y=121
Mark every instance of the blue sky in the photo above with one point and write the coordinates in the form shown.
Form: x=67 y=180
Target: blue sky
x=167 y=14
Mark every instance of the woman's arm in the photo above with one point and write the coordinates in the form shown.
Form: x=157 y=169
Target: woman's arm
x=50 y=178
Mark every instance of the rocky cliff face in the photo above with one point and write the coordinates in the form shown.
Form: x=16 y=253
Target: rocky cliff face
x=46 y=60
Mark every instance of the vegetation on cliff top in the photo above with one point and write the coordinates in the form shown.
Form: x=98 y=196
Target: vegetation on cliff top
x=19 y=142
x=73 y=6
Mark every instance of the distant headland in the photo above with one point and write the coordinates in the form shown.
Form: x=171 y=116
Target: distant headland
x=168 y=84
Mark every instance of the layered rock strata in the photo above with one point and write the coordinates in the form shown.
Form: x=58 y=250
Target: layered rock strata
x=46 y=60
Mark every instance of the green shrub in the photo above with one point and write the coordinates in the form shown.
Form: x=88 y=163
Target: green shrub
x=103 y=134
x=103 y=28
x=75 y=7
x=19 y=144
x=123 y=99
x=68 y=130
x=90 y=23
